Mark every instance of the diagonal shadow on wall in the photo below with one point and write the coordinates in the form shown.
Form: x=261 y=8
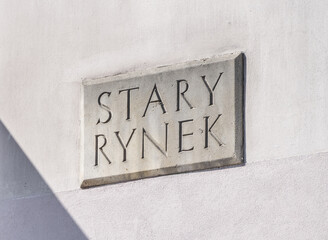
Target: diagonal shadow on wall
x=28 y=208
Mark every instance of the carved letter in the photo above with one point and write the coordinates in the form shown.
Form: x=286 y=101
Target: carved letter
x=103 y=106
x=124 y=146
x=101 y=149
x=181 y=135
x=128 y=100
x=159 y=100
x=152 y=140
x=182 y=94
x=209 y=130
x=211 y=90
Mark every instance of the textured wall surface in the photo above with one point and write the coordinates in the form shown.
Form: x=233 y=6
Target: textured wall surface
x=48 y=47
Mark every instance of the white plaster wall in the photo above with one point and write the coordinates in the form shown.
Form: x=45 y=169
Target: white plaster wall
x=48 y=47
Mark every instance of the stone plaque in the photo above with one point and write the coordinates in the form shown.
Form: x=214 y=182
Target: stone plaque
x=167 y=120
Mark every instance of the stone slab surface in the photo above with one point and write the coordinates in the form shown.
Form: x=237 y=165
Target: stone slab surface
x=162 y=121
